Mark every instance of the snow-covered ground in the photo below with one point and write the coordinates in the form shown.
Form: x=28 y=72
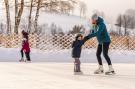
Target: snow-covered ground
x=41 y=75
x=66 y=22
x=88 y=55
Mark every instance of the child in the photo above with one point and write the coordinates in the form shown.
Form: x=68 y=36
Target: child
x=76 y=52
x=25 y=48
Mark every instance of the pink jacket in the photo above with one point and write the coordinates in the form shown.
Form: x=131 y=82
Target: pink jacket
x=25 y=46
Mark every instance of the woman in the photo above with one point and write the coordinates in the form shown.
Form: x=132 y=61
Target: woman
x=103 y=43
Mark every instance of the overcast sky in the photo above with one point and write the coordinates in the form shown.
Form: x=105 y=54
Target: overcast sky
x=111 y=8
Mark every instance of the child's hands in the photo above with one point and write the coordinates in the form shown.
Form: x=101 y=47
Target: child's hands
x=24 y=50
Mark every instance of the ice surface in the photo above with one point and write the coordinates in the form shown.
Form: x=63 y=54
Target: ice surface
x=41 y=75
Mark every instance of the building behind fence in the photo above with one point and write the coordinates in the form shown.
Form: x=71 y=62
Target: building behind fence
x=60 y=42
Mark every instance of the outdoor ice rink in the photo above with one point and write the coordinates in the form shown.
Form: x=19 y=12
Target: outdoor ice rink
x=42 y=75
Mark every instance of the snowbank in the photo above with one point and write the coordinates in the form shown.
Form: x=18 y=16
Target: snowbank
x=88 y=55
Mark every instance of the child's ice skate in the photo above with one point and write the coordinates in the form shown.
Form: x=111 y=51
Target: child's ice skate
x=22 y=60
x=100 y=70
x=110 y=71
x=27 y=61
x=77 y=70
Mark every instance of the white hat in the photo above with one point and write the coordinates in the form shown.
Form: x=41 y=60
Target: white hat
x=94 y=17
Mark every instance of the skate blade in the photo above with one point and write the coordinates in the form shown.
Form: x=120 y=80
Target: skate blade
x=28 y=61
x=110 y=73
x=99 y=72
x=21 y=60
x=78 y=73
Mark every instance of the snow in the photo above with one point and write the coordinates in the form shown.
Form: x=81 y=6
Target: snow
x=41 y=75
x=88 y=55
x=66 y=22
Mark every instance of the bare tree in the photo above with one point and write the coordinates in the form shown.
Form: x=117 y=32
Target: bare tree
x=37 y=15
x=30 y=13
x=18 y=14
x=83 y=8
x=119 y=23
x=8 y=16
x=2 y=27
x=131 y=14
x=133 y=22
x=53 y=29
x=129 y=20
x=59 y=6
x=126 y=21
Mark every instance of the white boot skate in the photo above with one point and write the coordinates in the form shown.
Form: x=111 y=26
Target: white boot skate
x=110 y=71
x=100 y=70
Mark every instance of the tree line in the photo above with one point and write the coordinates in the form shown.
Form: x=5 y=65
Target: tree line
x=55 y=6
x=126 y=21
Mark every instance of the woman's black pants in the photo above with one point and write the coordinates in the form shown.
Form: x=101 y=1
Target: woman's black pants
x=103 y=47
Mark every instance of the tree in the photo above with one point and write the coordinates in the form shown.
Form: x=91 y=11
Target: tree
x=131 y=14
x=18 y=14
x=133 y=22
x=119 y=23
x=53 y=29
x=66 y=6
x=83 y=8
x=76 y=29
x=37 y=15
x=59 y=6
x=2 y=27
x=30 y=13
x=127 y=21
x=8 y=16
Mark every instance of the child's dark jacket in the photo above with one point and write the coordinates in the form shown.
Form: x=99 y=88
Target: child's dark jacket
x=77 y=47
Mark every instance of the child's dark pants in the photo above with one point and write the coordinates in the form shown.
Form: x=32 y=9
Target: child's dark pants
x=22 y=54
x=77 y=64
x=27 y=56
